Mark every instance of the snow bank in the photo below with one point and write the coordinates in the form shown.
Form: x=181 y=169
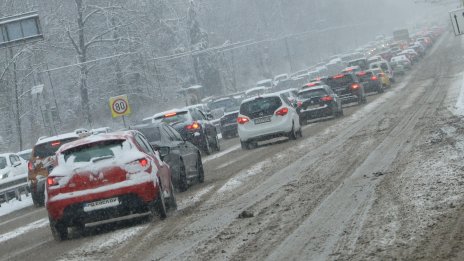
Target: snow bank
x=14 y=204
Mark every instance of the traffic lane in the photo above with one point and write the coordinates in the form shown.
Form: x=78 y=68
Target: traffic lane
x=218 y=172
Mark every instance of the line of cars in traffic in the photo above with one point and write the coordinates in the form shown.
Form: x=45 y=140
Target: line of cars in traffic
x=89 y=176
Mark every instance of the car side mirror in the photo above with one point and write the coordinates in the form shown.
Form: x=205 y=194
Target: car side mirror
x=209 y=116
x=16 y=164
x=164 y=151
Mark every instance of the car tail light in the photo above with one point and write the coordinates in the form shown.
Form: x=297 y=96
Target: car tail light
x=55 y=143
x=339 y=76
x=143 y=162
x=327 y=98
x=282 y=112
x=171 y=114
x=355 y=86
x=299 y=104
x=374 y=78
x=361 y=73
x=193 y=126
x=242 y=120
x=53 y=181
x=137 y=166
x=30 y=166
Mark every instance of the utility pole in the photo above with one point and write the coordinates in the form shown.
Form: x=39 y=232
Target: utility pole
x=289 y=56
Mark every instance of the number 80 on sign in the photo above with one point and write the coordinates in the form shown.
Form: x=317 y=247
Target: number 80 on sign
x=119 y=106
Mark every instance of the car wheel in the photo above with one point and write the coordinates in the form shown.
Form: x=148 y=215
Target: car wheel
x=245 y=145
x=160 y=205
x=292 y=135
x=200 y=171
x=183 y=182
x=217 y=145
x=207 y=148
x=382 y=89
x=172 y=199
x=59 y=230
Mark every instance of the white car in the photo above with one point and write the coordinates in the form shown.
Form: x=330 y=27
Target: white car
x=11 y=165
x=266 y=117
x=279 y=78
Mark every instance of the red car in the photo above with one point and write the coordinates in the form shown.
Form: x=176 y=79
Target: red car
x=106 y=176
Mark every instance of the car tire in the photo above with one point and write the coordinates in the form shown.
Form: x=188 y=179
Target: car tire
x=292 y=135
x=59 y=230
x=200 y=171
x=160 y=205
x=172 y=205
x=382 y=89
x=300 y=133
x=207 y=148
x=183 y=182
x=245 y=145
x=217 y=145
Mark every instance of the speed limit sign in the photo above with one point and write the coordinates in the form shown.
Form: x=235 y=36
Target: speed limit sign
x=119 y=106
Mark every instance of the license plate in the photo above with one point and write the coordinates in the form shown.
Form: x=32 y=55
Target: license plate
x=101 y=204
x=263 y=120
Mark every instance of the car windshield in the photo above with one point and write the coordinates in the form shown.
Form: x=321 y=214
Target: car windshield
x=94 y=151
x=3 y=163
x=152 y=134
x=265 y=105
x=366 y=76
x=48 y=149
x=171 y=118
x=312 y=94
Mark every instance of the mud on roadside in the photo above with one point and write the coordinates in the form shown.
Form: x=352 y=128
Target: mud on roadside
x=418 y=210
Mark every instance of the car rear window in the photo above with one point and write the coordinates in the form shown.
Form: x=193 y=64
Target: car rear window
x=94 y=151
x=3 y=162
x=152 y=134
x=170 y=118
x=340 y=80
x=48 y=149
x=312 y=93
x=265 y=105
x=365 y=76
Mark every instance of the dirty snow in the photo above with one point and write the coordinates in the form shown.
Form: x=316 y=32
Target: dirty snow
x=221 y=154
x=105 y=243
x=14 y=204
x=22 y=230
x=194 y=199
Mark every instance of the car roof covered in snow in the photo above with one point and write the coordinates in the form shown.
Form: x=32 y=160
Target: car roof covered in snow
x=58 y=137
x=122 y=135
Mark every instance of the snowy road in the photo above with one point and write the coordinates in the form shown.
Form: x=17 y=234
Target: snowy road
x=375 y=184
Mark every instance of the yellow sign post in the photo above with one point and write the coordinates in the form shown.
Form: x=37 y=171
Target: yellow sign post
x=120 y=107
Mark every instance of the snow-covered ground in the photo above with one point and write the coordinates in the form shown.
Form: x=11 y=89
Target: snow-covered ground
x=14 y=204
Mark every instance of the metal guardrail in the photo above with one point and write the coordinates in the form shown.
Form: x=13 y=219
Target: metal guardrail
x=13 y=189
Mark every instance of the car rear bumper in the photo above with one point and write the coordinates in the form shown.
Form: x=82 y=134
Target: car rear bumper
x=229 y=128
x=373 y=87
x=265 y=131
x=316 y=113
x=66 y=207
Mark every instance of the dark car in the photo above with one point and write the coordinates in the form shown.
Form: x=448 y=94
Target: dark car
x=181 y=155
x=318 y=102
x=194 y=126
x=370 y=81
x=347 y=87
x=229 y=123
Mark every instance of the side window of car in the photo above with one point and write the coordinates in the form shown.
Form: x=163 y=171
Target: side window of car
x=144 y=144
x=202 y=115
x=286 y=101
x=167 y=133
x=176 y=134
x=14 y=159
